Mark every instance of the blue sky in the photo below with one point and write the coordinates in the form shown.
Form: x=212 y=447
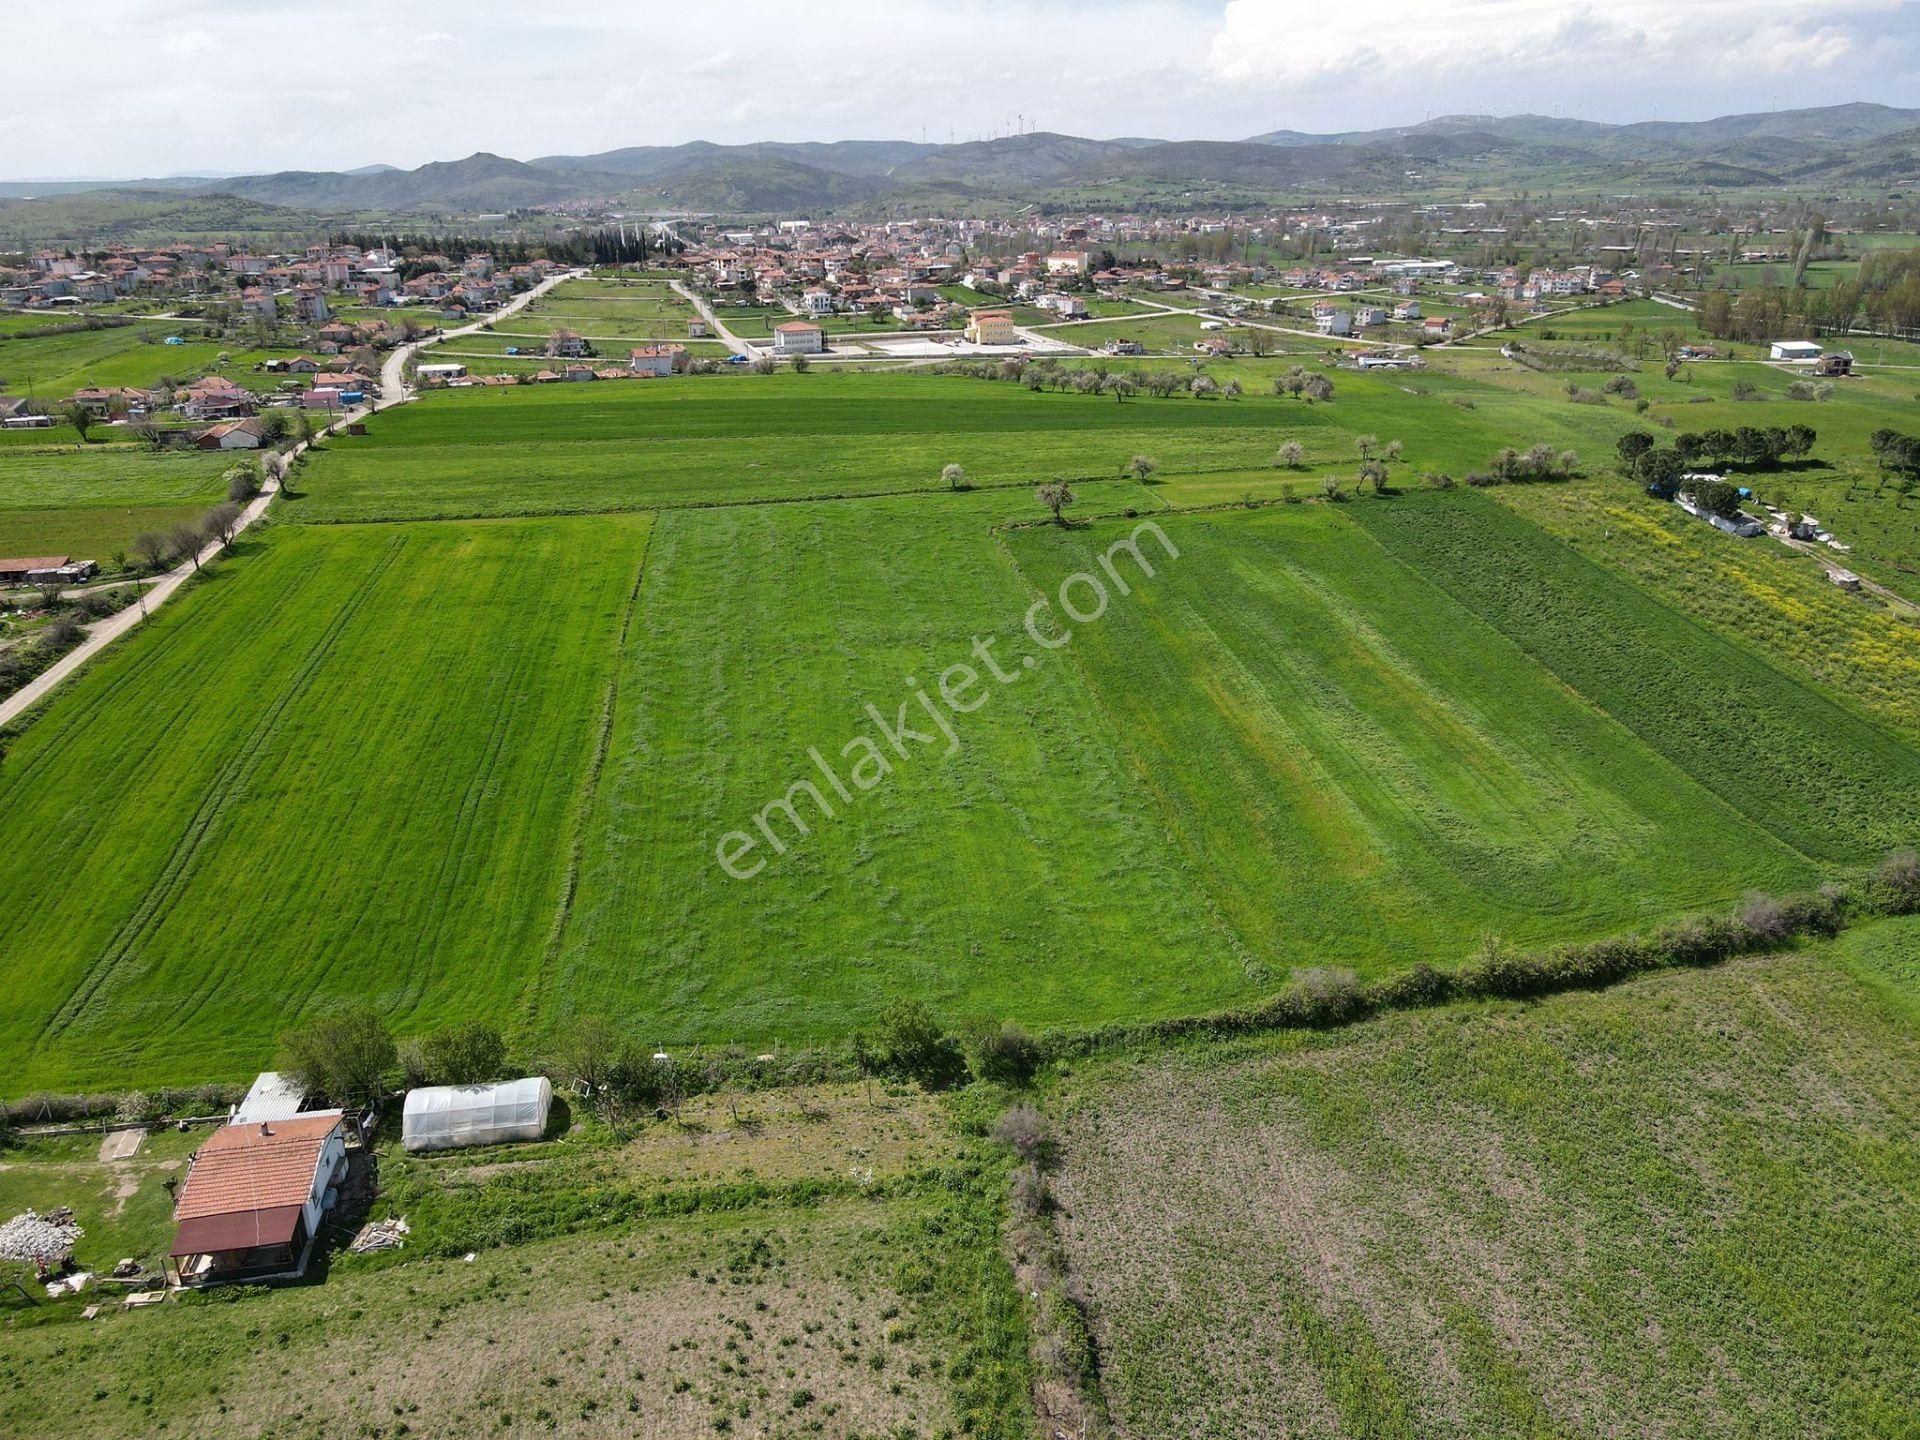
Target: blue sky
x=180 y=85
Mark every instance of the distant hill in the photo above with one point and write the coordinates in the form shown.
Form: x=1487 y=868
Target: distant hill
x=1865 y=145
x=479 y=182
x=115 y=215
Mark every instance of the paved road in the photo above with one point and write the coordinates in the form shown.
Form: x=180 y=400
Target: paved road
x=394 y=389
x=102 y=633
x=733 y=341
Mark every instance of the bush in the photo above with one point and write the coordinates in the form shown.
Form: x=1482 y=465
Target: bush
x=1005 y=1054
x=1322 y=997
x=909 y=1043
x=344 y=1056
x=1023 y=1130
x=465 y=1054
x=1898 y=881
x=1765 y=918
x=1030 y=1197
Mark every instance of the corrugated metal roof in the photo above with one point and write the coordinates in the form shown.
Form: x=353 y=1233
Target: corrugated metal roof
x=242 y=1230
x=273 y=1097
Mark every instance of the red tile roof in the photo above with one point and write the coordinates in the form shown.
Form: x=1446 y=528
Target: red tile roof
x=256 y=1167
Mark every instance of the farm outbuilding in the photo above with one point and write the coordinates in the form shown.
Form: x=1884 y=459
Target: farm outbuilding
x=444 y=1117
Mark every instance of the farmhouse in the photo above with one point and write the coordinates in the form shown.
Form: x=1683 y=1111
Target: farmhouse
x=1794 y=350
x=254 y=1198
x=449 y=371
x=16 y=571
x=653 y=359
x=797 y=337
x=231 y=435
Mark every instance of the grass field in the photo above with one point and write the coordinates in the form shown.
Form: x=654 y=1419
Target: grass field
x=826 y=608
x=1665 y=1209
x=1754 y=592
x=344 y=769
x=578 y=448
x=1814 y=774
x=54 y=366
x=92 y=501
x=1360 y=768
x=1364 y=733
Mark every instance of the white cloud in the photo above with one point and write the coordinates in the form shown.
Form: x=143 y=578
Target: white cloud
x=1266 y=41
x=594 y=74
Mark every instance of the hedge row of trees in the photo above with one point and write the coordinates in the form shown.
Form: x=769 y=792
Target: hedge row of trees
x=352 y=1058
x=1749 y=447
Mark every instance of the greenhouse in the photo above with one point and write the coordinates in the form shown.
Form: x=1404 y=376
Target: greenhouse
x=444 y=1117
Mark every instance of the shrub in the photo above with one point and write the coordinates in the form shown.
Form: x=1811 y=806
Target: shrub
x=1030 y=1197
x=1765 y=918
x=1003 y=1053
x=466 y=1054
x=1322 y=997
x=1023 y=1130
x=909 y=1043
x=1898 y=881
x=344 y=1056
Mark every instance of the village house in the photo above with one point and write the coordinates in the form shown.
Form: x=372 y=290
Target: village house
x=231 y=435
x=254 y=1198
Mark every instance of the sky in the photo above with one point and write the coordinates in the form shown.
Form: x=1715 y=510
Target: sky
x=183 y=86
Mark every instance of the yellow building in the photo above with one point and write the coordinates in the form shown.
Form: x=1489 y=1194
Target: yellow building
x=992 y=327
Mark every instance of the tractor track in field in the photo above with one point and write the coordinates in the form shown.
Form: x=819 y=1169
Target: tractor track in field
x=227 y=785
x=589 y=795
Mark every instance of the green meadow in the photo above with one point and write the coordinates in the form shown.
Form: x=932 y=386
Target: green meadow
x=343 y=767
x=581 y=448
x=93 y=500
x=479 y=764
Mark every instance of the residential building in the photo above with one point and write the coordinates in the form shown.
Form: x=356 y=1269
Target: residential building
x=798 y=337
x=254 y=1198
x=992 y=327
x=654 y=359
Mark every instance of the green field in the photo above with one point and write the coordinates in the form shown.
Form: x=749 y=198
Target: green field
x=1666 y=1209
x=580 y=448
x=92 y=501
x=826 y=608
x=1367 y=733
x=377 y=737
x=1361 y=766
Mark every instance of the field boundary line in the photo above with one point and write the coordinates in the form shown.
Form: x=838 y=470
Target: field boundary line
x=589 y=796
x=220 y=794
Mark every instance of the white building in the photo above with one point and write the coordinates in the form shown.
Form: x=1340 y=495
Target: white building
x=817 y=302
x=653 y=359
x=1794 y=350
x=797 y=337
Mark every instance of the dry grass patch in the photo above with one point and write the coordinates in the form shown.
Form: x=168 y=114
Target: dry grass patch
x=1662 y=1210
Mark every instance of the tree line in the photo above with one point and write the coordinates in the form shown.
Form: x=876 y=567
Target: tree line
x=1748 y=447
